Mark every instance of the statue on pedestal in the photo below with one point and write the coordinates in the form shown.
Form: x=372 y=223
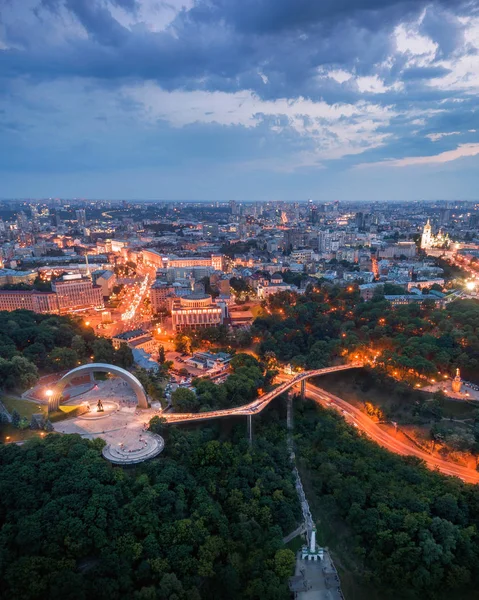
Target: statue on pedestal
x=457 y=382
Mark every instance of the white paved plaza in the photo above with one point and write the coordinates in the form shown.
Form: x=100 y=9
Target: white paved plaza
x=122 y=425
x=466 y=393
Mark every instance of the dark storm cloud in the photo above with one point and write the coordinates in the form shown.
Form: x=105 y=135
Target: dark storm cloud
x=70 y=67
x=268 y=16
x=224 y=43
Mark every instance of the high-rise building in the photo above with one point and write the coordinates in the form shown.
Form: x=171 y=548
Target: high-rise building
x=360 y=220
x=22 y=221
x=234 y=207
x=81 y=217
x=159 y=293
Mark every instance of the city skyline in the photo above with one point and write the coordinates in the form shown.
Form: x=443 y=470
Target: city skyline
x=139 y=100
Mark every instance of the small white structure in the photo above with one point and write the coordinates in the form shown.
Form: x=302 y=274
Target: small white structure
x=312 y=552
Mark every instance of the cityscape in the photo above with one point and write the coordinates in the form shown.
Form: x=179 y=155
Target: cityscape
x=239 y=300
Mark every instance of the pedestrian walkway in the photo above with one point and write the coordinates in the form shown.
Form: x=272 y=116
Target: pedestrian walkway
x=122 y=425
x=317 y=580
x=313 y=579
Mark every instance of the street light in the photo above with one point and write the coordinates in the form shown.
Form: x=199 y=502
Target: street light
x=48 y=394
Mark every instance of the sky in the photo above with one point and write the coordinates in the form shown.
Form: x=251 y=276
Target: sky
x=239 y=99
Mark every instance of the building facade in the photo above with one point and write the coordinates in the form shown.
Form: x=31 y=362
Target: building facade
x=196 y=311
x=75 y=292
x=138 y=339
x=39 y=302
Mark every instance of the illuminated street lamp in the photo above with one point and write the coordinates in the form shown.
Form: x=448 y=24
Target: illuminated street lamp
x=471 y=285
x=48 y=394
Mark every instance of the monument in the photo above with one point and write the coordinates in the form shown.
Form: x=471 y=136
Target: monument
x=312 y=552
x=456 y=383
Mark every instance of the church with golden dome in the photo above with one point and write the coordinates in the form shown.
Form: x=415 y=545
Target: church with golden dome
x=429 y=240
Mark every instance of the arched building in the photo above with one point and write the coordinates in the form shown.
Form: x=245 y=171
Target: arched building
x=132 y=381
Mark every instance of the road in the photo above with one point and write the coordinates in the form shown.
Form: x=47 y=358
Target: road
x=351 y=414
x=354 y=416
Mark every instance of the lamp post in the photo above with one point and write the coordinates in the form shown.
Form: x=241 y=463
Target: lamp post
x=48 y=394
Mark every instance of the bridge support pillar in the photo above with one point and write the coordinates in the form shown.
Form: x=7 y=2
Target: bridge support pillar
x=250 y=428
x=303 y=389
x=289 y=412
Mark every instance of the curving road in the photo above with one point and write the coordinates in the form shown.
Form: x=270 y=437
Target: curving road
x=351 y=414
x=357 y=418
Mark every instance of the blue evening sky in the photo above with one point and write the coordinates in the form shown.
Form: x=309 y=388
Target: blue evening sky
x=244 y=99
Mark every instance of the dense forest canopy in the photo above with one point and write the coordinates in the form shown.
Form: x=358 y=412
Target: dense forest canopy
x=205 y=520
x=248 y=377
x=410 y=341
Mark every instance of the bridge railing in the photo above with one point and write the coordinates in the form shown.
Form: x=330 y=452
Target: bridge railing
x=262 y=401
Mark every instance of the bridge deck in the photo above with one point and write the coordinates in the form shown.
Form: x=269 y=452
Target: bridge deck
x=260 y=403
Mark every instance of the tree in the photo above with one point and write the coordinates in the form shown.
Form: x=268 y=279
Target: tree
x=184 y=400
x=183 y=343
x=123 y=356
x=161 y=354
x=103 y=351
x=18 y=373
x=36 y=353
x=284 y=561
x=158 y=425
x=79 y=345
x=184 y=528
x=62 y=359
x=15 y=418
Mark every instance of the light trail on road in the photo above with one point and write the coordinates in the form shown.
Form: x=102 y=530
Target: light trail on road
x=130 y=313
x=354 y=416
x=350 y=413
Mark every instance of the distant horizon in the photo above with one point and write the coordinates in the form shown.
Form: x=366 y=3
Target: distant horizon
x=200 y=201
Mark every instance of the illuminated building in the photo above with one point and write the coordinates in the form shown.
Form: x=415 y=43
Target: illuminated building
x=161 y=293
x=274 y=286
x=137 y=339
x=196 y=311
x=106 y=280
x=407 y=249
x=428 y=240
x=155 y=259
x=75 y=292
x=425 y=283
x=39 y=302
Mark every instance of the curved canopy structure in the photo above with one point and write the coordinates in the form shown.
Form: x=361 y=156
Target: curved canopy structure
x=102 y=368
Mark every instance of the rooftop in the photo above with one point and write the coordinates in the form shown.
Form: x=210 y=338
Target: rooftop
x=131 y=335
